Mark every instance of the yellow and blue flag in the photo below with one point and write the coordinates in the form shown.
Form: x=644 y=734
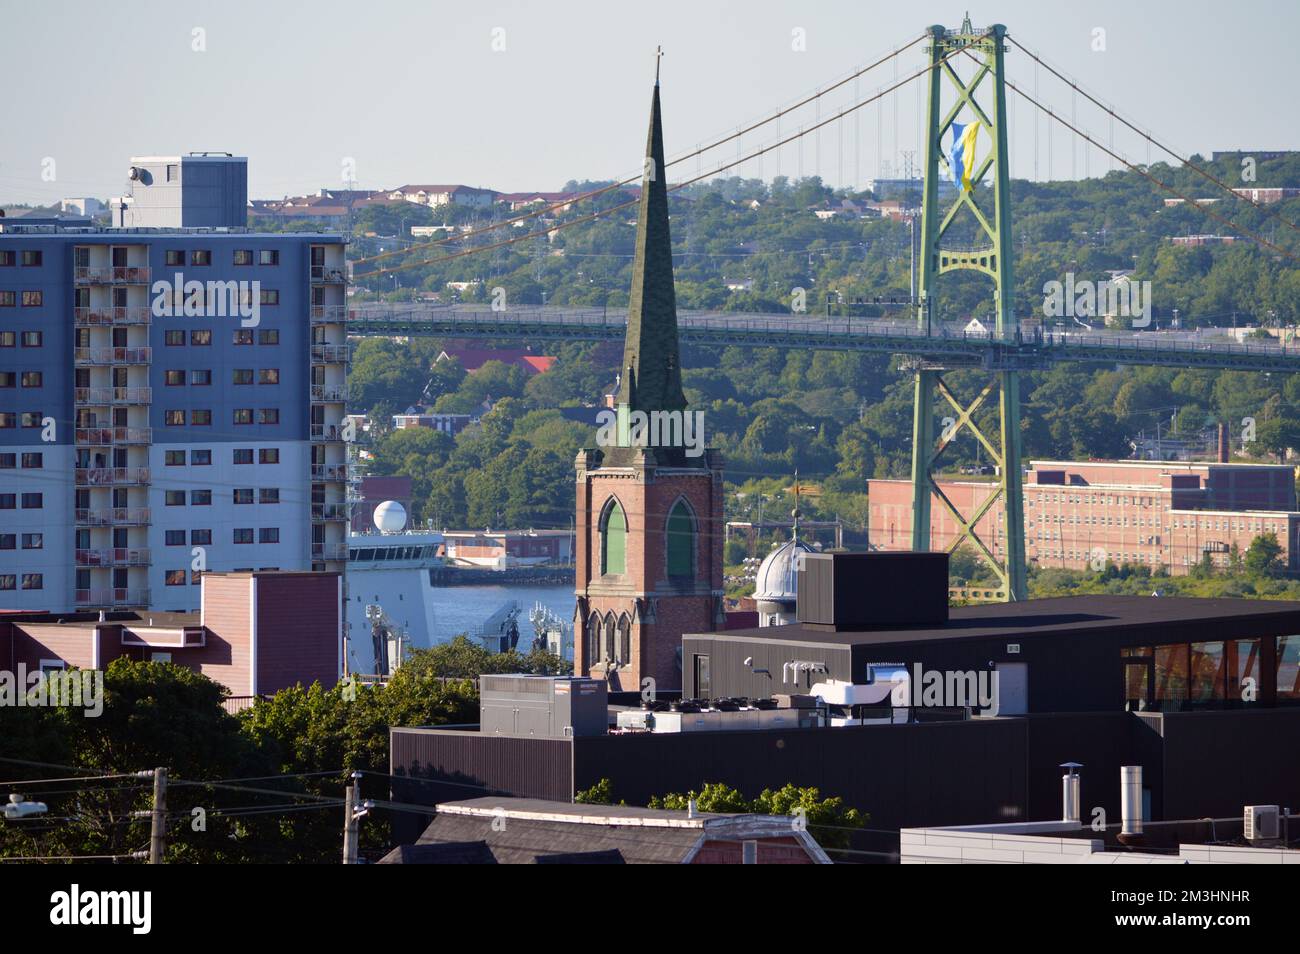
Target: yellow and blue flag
x=961 y=159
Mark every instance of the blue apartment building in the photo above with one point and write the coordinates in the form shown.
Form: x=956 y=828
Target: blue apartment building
x=171 y=398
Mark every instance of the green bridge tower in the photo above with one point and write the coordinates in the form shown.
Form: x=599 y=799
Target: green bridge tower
x=990 y=255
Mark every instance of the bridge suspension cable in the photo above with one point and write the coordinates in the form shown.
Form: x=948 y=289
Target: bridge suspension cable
x=1241 y=229
x=1151 y=140
x=601 y=213
x=699 y=151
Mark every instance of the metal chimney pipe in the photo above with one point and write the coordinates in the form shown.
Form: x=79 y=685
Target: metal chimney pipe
x=1130 y=792
x=1071 y=810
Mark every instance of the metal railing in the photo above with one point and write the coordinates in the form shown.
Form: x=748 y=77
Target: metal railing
x=109 y=356
x=110 y=476
x=329 y=551
x=108 y=436
x=111 y=274
x=113 y=556
x=112 y=597
x=93 y=315
x=104 y=396
x=331 y=393
x=112 y=517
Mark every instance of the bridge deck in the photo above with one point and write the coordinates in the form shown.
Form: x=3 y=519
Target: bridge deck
x=943 y=345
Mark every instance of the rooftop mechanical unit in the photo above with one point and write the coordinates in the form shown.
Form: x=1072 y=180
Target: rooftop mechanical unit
x=548 y=707
x=1262 y=823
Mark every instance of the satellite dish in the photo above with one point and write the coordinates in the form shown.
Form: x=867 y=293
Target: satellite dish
x=390 y=517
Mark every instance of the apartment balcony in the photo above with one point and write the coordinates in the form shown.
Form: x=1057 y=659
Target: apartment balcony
x=107 y=315
x=96 y=357
x=116 y=597
x=329 y=471
x=329 y=551
x=329 y=275
x=103 y=397
x=329 y=393
x=111 y=275
x=112 y=476
x=329 y=511
x=327 y=433
x=111 y=436
x=113 y=556
x=112 y=517
x=330 y=354
x=328 y=314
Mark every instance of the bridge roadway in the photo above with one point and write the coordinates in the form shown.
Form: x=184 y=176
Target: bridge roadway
x=944 y=345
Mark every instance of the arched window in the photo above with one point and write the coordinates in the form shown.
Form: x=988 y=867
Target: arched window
x=624 y=640
x=613 y=539
x=592 y=651
x=681 y=540
x=611 y=646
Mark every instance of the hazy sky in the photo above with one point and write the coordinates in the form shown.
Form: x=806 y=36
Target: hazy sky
x=421 y=92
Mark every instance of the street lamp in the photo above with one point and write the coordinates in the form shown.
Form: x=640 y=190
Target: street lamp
x=19 y=808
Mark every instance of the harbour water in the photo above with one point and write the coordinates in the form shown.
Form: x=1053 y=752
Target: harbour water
x=459 y=609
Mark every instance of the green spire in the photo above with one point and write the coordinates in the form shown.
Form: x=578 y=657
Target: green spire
x=651 y=370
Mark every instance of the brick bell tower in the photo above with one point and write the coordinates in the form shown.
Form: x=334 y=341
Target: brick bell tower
x=649 y=512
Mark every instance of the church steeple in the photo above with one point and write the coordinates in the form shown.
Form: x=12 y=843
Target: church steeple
x=651 y=370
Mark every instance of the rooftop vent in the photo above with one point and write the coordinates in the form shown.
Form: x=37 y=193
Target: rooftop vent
x=858 y=591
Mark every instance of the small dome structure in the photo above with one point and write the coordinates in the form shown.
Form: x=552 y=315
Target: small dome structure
x=390 y=517
x=776 y=585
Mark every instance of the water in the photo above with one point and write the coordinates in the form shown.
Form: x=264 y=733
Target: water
x=460 y=609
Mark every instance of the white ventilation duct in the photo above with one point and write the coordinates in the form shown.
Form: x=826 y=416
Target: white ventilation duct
x=1071 y=810
x=1130 y=794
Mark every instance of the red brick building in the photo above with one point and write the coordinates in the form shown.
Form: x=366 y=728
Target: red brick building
x=1155 y=513
x=256 y=633
x=650 y=526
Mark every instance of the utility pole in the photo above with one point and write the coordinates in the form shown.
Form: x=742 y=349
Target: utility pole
x=158 y=817
x=352 y=820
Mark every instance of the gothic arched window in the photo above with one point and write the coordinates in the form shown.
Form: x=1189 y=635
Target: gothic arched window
x=624 y=640
x=613 y=539
x=681 y=541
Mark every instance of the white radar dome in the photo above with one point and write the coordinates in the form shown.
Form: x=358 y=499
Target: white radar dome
x=390 y=516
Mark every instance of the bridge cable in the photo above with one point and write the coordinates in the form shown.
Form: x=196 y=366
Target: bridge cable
x=1152 y=140
x=804 y=131
x=637 y=178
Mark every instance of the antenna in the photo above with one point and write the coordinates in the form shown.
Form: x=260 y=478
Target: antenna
x=659 y=55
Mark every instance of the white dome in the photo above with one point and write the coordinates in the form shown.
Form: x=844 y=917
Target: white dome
x=390 y=516
x=776 y=580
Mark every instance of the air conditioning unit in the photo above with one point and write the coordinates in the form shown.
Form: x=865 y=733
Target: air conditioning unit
x=1262 y=823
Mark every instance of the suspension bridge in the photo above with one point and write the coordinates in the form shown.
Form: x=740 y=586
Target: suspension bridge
x=965 y=86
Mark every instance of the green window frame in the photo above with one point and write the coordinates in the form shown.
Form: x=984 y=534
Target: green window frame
x=613 y=540
x=681 y=541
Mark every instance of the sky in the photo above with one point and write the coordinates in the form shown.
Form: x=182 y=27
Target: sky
x=526 y=96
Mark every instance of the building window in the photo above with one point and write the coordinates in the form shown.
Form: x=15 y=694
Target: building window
x=243 y=256
x=624 y=640
x=268 y=495
x=264 y=376
x=268 y=535
x=8 y=379
x=243 y=336
x=243 y=415
x=33 y=461
x=242 y=376
x=8 y=501
x=173 y=338
x=201 y=498
x=8 y=581
x=613 y=539
x=33 y=541
x=175 y=256
x=173 y=172
x=173 y=379
x=31 y=258
x=8 y=461
x=33 y=299
x=174 y=458
x=174 y=538
x=7 y=339
x=200 y=337
x=33 y=339
x=174 y=418
x=268 y=256
x=201 y=377
x=175 y=578
x=268 y=455
x=681 y=541
x=8 y=541
x=7 y=258
x=243 y=534
x=33 y=581
x=243 y=455
x=174 y=498
x=31 y=379
x=201 y=458
x=592 y=634
x=200 y=538
x=200 y=256
x=202 y=418
x=268 y=415
x=270 y=296
x=33 y=501
x=243 y=495
x=268 y=336
x=30 y=419
x=1288 y=669
x=8 y=419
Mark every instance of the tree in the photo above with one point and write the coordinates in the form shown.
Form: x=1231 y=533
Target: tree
x=1264 y=556
x=829 y=820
